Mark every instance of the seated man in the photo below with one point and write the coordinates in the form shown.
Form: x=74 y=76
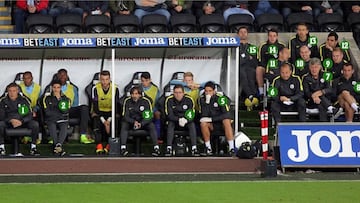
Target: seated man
x=180 y=113
x=273 y=70
x=268 y=50
x=25 y=8
x=338 y=62
x=76 y=110
x=152 y=91
x=136 y=114
x=346 y=94
x=121 y=7
x=232 y=7
x=101 y=110
x=207 y=8
x=289 y=94
x=317 y=90
x=16 y=111
x=328 y=47
x=64 y=7
x=305 y=56
x=212 y=112
x=191 y=88
x=56 y=106
x=146 y=7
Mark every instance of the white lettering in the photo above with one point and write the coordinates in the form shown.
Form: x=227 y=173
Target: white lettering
x=149 y=41
x=341 y=144
x=76 y=42
x=221 y=40
x=9 y=41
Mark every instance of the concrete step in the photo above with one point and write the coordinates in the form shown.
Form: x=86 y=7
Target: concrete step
x=5 y=11
x=5 y=29
x=5 y=20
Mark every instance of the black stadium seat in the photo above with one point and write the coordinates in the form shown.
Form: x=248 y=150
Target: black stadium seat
x=69 y=23
x=354 y=22
x=97 y=24
x=39 y=24
x=268 y=21
x=154 y=23
x=212 y=24
x=236 y=21
x=126 y=24
x=295 y=18
x=328 y=22
x=183 y=23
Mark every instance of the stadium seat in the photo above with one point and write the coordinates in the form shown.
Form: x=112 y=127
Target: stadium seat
x=88 y=88
x=295 y=18
x=15 y=134
x=212 y=24
x=39 y=24
x=97 y=24
x=328 y=22
x=183 y=23
x=354 y=22
x=269 y=21
x=154 y=23
x=236 y=21
x=126 y=24
x=69 y=23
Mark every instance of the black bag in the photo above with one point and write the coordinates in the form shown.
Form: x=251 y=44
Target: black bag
x=180 y=147
x=246 y=151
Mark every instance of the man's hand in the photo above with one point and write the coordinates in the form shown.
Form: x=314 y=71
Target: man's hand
x=15 y=123
x=31 y=9
x=137 y=125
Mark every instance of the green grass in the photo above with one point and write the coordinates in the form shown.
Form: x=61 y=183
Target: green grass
x=249 y=191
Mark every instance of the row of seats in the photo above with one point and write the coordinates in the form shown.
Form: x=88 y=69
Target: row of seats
x=187 y=23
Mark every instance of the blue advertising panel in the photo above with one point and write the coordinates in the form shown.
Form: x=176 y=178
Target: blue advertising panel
x=319 y=144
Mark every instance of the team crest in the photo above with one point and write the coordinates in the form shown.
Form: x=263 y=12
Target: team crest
x=216 y=104
x=322 y=80
x=142 y=108
x=292 y=86
x=185 y=106
x=353 y=82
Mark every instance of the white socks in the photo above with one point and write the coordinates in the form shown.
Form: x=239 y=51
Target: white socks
x=231 y=144
x=208 y=145
x=354 y=106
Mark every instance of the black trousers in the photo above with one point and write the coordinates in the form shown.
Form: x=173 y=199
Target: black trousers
x=33 y=125
x=173 y=125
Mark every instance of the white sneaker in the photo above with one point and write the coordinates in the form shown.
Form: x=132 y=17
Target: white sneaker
x=2 y=152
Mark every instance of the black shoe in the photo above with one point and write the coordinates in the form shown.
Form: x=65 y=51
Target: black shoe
x=195 y=152
x=156 y=152
x=168 y=152
x=34 y=152
x=207 y=152
x=232 y=152
x=124 y=152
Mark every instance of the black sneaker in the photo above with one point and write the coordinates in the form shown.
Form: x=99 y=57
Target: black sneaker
x=156 y=152
x=195 y=152
x=34 y=152
x=168 y=152
x=2 y=152
x=232 y=152
x=124 y=152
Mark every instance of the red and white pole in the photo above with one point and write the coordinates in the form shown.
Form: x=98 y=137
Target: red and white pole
x=264 y=117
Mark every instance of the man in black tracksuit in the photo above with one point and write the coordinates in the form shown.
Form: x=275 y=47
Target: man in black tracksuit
x=338 y=62
x=344 y=88
x=290 y=94
x=136 y=115
x=247 y=69
x=274 y=71
x=317 y=90
x=15 y=111
x=56 y=107
x=180 y=112
x=301 y=39
x=214 y=109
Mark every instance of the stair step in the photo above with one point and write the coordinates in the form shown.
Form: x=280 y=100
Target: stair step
x=5 y=11
x=5 y=20
x=4 y=29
